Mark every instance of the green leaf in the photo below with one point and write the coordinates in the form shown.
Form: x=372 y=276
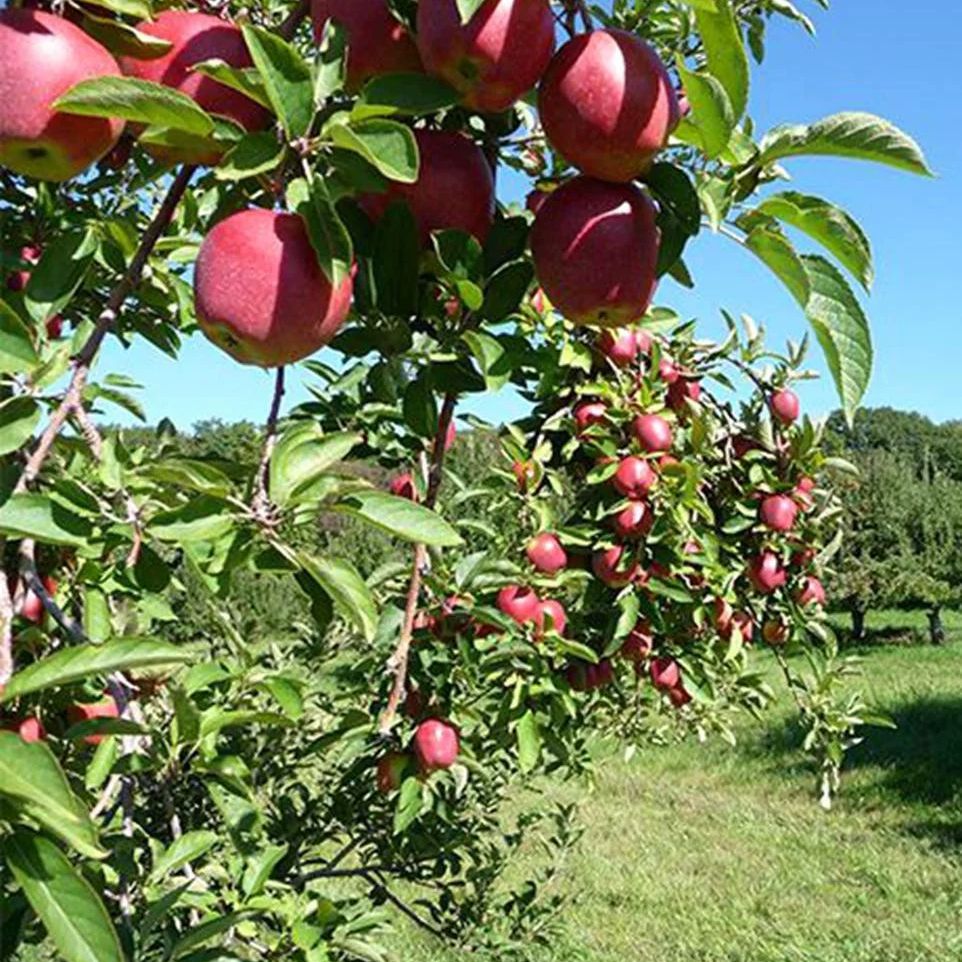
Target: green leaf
x=188 y=848
x=727 y=60
x=199 y=934
x=329 y=237
x=491 y=356
x=712 y=118
x=17 y=354
x=395 y=261
x=302 y=454
x=842 y=329
x=858 y=135
x=140 y=101
x=468 y=8
x=254 y=154
x=343 y=584
x=388 y=146
x=259 y=868
x=74 y=664
x=420 y=407
x=245 y=80
x=205 y=518
x=31 y=775
x=139 y=9
x=36 y=516
x=412 y=94
x=409 y=803
x=61 y=271
x=187 y=473
x=506 y=289
x=286 y=76
x=19 y=417
x=529 y=741
x=833 y=228
x=768 y=243
x=71 y=911
x=400 y=517
x=123 y=40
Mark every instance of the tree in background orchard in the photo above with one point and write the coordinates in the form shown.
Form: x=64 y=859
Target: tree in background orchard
x=282 y=186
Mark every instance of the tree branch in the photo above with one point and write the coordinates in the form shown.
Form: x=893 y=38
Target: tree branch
x=289 y=27
x=6 y=633
x=398 y=662
x=261 y=502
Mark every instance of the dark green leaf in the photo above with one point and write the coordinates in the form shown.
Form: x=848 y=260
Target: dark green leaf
x=205 y=518
x=123 y=40
x=420 y=407
x=19 y=417
x=255 y=154
x=17 y=354
x=395 y=262
x=506 y=289
x=400 y=517
x=407 y=93
x=286 y=76
x=725 y=51
x=61 y=271
x=245 y=80
x=37 y=516
x=388 y=146
x=329 y=236
x=341 y=581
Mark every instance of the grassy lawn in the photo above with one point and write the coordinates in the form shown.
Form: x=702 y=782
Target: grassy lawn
x=711 y=854
x=909 y=627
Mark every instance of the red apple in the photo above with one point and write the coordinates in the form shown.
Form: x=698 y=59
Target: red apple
x=722 y=616
x=107 y=708
x=454 y=189
x=436 y=745
x=803 y=494
x=607 y=104
x=621 y=347
x=806 y=485
x=196 y=37
x=653 y=432
x=775 y=632
x=17 y=281
x=785 y=406
x=744 y=623
x=31 y=608
x=778 y=512
x=520 y=604
x=546 y=553
x=667 y=371
x=390 y=772
x=260 y=293
x=589 y=413
x=595 y=248
x=812 y=593
x=30 y=729
x=639 y=643
x=535 y=199
x=377 y=42
x=601 y=675
x=681 y=392
x=402 y=486
x=609 y=566
x=41 y=57
x=31 y=253
x=634 y=520
x=665 y=673
x=494 y=58
x=766 y=573
x=525 y=474
x=679 y=696
x=551 y=617
x=634 y=477
x=54 y=327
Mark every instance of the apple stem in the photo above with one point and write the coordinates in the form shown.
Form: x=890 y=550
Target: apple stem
x=261 y=503
x=398 y=662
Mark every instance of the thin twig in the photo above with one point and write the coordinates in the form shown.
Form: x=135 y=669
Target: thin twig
x=381 y=887
x=261 y=502
x=398 y=663
x=32 y=579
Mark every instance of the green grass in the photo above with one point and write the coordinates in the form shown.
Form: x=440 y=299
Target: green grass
x=900 y=627
x=712 y=854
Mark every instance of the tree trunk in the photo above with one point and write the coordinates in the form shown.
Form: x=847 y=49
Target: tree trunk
x=936 y=628
x=858 y=624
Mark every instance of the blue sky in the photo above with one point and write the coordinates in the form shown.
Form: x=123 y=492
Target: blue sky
x=883 y=56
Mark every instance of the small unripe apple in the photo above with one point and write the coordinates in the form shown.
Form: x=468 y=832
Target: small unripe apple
x=634 y=520
x=775 y=632
x=621 y=347
x=377 y=42
x=546 y=553
x=31 y=253
x=679 y=696
x=17 y=281
x=595 y=249
x=803 y=558
x=436 y=745
x=390 y=772
x=665 y=673
x=653 y=432
x=54 y=327
x=634 y=477
x=766 y=573
x=30 y=729
x=722 y=616
x=526 y=474
x=667 y=371
x=778 y=512
x=41 y=57
x=811 y=593
x=106 y=708
x=196 y=37
x=31 y=608
x=519 y=603
x=494 y=58
x=607 y=104
x=601 y=675
x=807 y=485
x=589 y=413
x=551 y=617
x=454 y=189
x=803 y=494
x=609 y=566
x=742 y=445
x=639 y=643
x=785 y=406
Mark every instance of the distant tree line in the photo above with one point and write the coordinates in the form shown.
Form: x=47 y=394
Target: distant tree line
x=902 y=544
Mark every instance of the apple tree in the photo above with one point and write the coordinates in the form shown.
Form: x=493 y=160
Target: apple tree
x=455 y=197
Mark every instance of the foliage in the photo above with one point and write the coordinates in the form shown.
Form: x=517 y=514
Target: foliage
x=222 y=776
